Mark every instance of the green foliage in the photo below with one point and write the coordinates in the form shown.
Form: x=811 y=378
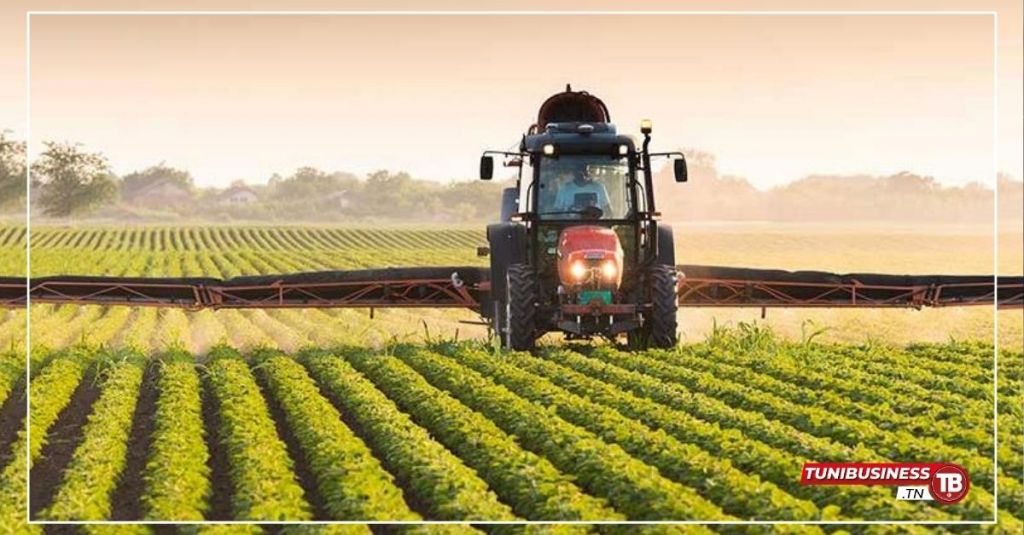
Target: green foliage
x=134 y=183
x=70 y=181
x=349 y=478
x=434 y=475
x=630 y=485
x=92 y=474
x=264 y=485
x=311 y=185
x=177 y=476
x=12 y=171
x=735 y=492
x=529 y=483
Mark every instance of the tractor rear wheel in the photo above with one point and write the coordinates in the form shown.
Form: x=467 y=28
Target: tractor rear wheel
x=660 y=328
x=521 y=294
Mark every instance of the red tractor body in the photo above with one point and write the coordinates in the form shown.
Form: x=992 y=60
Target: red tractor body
x=589 y=257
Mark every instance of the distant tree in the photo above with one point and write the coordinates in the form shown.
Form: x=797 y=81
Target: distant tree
x=310 y=184
x=72 y=181
x=139 y=180
x=702 y=165
x=12 y=170
x=398 y=195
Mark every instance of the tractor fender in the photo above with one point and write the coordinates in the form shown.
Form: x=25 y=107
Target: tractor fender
x=509 y=203
x=666 y=246
x=508 y=243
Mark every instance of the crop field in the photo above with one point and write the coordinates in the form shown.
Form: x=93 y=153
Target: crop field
x=145 y=413
x=225 y=251
x=449 y=430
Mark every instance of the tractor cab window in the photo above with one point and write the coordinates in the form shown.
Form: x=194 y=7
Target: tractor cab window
x=584 y=187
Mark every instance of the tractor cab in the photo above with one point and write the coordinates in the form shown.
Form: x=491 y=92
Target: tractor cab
x=579 y=246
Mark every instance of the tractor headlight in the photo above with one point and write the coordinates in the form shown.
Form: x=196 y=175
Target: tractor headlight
x=578 y=270
x=549 y=149
x=623 y=150
x=609 y=270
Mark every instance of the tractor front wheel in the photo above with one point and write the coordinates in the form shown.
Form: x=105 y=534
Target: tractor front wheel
x=660 y=327
x=521 y=307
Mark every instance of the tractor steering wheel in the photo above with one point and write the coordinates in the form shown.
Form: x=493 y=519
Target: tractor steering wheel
x=591 y=212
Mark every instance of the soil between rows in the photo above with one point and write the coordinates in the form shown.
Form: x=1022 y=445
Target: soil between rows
x=61 y=442
x=126 y=503
x=300 y=467
x=221 y=488
x=12 y=416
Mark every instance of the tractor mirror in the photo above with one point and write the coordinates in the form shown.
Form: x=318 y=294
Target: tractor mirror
x=679 y=169
x=486 y=167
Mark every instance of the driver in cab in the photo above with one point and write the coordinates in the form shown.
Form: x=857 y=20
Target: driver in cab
x=582 y=192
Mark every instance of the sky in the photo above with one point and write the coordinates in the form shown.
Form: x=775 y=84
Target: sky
x=775 y=98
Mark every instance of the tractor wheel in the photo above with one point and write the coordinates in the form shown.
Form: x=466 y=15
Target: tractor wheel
x=521 y=307
x=659 y=329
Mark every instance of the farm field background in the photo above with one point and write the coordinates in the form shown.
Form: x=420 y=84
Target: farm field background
x=438 y=429
x=224 y=251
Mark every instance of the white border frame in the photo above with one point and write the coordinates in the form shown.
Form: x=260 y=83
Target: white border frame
x=995 y=261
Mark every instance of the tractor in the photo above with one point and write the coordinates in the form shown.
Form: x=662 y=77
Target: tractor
x=579 y=248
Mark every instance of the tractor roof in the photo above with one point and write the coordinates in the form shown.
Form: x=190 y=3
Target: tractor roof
x=578 y=137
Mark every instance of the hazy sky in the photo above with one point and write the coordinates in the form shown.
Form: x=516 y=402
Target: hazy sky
x=775 y=98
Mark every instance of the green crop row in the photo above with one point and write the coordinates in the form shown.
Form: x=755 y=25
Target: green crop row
x=972 y=382
x=263 y=483
x=631 y=486
x=52 y=388
x=978 y=503
x=529 y=483
x=813 y=367
x=451 y=490
x=744 y=452
x=12 y=368
x=735 y=492
x=12 y=235
x=953 y=427
x=92 y=474
x=263 y=238
x=753 y=426
x=177 y=478
x=349 y=478
x=897 y=443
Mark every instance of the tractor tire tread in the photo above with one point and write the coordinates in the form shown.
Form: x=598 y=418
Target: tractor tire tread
x=523 y=295
x=665 y=300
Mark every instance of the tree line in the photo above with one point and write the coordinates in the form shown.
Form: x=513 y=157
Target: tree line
x=69 y=181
